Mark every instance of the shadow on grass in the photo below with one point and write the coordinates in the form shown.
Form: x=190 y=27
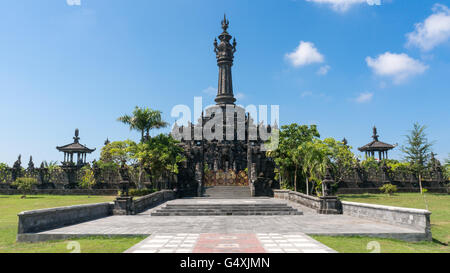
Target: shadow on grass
x=32 y=197
x=366 y=196
x=356 y=195
x=439 y=242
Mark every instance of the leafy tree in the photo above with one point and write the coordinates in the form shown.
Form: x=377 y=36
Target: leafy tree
x=395 y=165
x=370 y=163
x=87 y=178
x=25 y=184
x=417 y=150
x=288 y=157
x=315 y=156
x=447 y=169
x=144 y=120
x=5 y=173
x=117 y=152
x=341 y=158
x=158 y=156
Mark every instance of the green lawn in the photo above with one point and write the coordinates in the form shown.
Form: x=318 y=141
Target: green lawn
x=438 y=204
x=11 y=205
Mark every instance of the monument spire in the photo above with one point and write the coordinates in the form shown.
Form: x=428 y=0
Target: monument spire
x=225 y=55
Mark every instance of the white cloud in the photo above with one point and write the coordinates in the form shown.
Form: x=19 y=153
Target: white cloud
x=306 y=53
x=324 y=70
x=210 y=91
x=398 y=66
x=344 y=5
x=433 y=31
x=73 y=2
x=364 y=97
x=239 y=96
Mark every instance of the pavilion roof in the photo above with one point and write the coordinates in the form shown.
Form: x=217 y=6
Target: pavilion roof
x=75 y=147
x=376 y=145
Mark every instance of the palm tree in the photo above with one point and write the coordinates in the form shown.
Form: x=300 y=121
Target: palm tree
x=155 y=122
x=144 y=120
x=315 y=161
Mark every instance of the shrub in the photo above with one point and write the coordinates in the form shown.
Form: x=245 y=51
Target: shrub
x=400 y=166
x=5 y=173
x=141 y=192
x=25 y=184
x=87 y=179
x=447 y=172
x=370 y=163
x=388 y=189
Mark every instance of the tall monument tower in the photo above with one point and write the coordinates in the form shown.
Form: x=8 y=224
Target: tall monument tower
x=225 y=55
x=233 y=158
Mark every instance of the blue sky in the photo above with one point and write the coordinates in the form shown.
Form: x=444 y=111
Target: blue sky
x=343 y=67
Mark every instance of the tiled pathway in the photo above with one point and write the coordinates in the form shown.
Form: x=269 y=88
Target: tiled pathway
x=230 y=243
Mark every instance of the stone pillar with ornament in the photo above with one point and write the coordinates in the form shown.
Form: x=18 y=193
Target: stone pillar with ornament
x=199 y=178
x=329 y=204
x=124 y=205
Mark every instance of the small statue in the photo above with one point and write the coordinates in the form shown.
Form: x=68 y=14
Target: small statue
x=31 y=166
x=17 y=168
x=328 y=179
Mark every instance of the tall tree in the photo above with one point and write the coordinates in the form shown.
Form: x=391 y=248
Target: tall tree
x=158 y=156
x=117 y=152
x=315 y=155
x=143 y=120
x=287 y=156
x=341 y=158
x=155 y=122
x=417 y=150
x=447 y=169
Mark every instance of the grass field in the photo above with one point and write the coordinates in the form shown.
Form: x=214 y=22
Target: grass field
x=11 y=205
x=438 y=204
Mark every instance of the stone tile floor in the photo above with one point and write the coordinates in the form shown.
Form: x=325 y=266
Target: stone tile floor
x=263 y=227
x=230 y=243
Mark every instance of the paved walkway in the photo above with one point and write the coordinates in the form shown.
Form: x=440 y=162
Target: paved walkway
x=207 y=233
x=230 y=243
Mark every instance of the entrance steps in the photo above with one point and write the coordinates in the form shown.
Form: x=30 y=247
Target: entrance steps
x=220 y=209
x=227 y=192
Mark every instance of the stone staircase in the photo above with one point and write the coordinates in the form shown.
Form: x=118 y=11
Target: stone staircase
x=227 y=192
x=221 y=209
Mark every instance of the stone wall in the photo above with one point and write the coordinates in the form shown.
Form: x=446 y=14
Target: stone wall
x=298 y=197
x=58 y=181
x=369 y=181
x=149 y=201
x=323 y=205
x=46 y=219
x=35 y=221
x=106 y=192
x=417 y=219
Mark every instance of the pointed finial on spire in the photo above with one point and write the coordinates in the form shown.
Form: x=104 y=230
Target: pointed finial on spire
x=375 y=135
x=225 y=23
x=76 y=138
